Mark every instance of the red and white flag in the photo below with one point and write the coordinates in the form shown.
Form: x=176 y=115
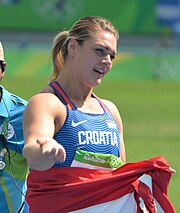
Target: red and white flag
x=133 y=188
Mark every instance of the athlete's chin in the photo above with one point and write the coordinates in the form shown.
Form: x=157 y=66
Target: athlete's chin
x=94 y=83
x=98 y=82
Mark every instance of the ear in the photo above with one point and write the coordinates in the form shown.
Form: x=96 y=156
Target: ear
x=72 y=46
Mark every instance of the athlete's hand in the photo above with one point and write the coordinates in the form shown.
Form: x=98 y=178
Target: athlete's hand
x=51 y=149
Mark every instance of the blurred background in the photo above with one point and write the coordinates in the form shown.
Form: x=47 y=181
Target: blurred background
x=144 y=82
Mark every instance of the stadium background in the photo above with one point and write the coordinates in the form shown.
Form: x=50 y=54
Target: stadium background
x=144 y=82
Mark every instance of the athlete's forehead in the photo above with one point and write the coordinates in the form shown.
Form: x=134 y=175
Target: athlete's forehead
x=105 y=40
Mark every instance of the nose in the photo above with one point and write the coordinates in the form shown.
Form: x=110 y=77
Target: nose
x=107 y=60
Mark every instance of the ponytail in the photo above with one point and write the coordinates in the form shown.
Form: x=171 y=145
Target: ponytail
x=59 y=52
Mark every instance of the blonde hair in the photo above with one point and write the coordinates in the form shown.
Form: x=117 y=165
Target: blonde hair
x=82 y=30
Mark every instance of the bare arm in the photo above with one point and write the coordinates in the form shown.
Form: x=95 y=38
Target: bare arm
x=43 y=115
x=117 y=116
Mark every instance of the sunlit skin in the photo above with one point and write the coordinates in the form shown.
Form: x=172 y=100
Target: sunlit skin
x=87 y=64
x=83 y=69
x=94 y=59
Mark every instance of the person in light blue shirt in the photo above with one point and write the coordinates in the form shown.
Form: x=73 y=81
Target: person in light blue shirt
x=13 y=166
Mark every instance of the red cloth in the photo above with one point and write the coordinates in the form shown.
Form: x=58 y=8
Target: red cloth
x=68 y=188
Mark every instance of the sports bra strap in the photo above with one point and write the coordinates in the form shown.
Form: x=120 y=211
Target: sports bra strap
x=66 y=100
x=62 y=95
x=102 y=103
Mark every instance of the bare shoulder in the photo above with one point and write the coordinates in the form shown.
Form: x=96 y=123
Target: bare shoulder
x=46 y=95
x=111 y=106
x=46 y=111
x=45 y=101
x=114 y=110
x=43 y=98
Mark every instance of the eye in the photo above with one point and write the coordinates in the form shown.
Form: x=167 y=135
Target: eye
x=100 y=51
x=103 y=53
x=112 y=57
x=2 y=65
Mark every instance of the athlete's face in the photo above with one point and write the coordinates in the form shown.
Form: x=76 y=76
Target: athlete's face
x=94 y=58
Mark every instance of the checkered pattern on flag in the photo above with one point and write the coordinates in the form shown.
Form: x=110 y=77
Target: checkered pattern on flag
x=133 y=188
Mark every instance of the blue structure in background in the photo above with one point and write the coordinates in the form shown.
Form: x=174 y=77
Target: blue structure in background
x=168 y=13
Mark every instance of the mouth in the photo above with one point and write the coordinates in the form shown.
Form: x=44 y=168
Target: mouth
x=99 y=71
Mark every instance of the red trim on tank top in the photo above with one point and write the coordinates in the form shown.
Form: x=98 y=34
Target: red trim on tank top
x=69 y=104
